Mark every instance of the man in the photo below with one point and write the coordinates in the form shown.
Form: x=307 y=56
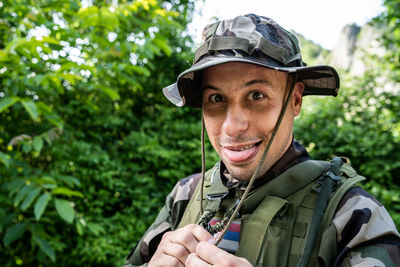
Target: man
x=265 y=203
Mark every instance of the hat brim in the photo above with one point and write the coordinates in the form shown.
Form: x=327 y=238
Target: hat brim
x=318 y=80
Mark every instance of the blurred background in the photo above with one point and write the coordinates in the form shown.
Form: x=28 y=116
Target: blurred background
x=89 y=147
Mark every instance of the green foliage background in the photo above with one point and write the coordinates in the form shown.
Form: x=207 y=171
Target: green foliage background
x=89 y=147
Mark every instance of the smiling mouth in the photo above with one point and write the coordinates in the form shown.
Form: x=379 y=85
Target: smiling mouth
x=241 y=154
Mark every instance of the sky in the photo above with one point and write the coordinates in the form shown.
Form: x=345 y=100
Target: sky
x=318 y=20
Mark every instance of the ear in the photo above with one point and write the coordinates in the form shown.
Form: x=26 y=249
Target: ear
x=297 y=98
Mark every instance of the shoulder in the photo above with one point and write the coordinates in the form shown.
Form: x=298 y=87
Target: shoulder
x=184 y=189
x=362 y=221
x=361 y=217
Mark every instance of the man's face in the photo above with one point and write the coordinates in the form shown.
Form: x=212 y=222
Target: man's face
x=241 y=105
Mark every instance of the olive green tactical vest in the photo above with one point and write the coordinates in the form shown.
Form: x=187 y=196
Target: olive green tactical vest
x=275 y=218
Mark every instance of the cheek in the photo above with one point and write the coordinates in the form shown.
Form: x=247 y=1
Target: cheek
x=266 y=120
x=213 y=127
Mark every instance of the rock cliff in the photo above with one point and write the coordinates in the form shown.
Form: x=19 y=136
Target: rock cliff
x=353 y=44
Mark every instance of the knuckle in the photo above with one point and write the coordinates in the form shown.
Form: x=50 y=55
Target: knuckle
x=244 y=260
x=174 y=262
x=181 y=252
x=190 y=227
x=225 y=262
x=186 y=238
x=190 y=259
x=201 y=246
x=167 y=235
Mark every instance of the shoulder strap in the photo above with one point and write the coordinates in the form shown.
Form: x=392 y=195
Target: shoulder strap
x=325 y=248
x=259 y=221
x=327 y=231
x=327 y=181
x=192 y=210
x=353 y=179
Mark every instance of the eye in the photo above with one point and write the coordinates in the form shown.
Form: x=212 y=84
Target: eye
x=216 y=98
x=256 y=95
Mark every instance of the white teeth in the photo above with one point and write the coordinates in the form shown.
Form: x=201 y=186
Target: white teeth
x=246 y=147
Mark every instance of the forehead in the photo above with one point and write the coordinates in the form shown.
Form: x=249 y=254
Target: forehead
x=238 y=73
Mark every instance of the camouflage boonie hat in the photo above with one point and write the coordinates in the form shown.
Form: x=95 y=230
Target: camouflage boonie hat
x=250 y=39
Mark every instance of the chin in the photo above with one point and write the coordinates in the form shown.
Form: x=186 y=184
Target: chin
x=241 y=173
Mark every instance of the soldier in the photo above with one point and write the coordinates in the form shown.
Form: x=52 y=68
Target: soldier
x=266 y=203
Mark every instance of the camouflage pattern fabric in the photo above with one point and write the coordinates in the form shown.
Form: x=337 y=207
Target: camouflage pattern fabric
x=250 y=39
x=263 y=36
x=366 y=233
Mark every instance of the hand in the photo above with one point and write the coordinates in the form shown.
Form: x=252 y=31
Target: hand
x=207 y=254
x=176 y=246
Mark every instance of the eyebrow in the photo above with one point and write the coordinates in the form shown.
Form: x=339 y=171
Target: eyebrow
x=249 y=83
x=209 y=86
x=246 y=84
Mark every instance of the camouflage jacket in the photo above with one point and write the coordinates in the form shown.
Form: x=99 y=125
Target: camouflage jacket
x=366 y=234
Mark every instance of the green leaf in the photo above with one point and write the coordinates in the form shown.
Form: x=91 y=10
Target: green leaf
x=65 y=210
x=71 y=78
x=30 y=107
x=95 y=228
x=3 y=56
x=30 y=198
x=41 y=205
x=43 y=108
x=70 y=180
x=46 y=180
x=140 y=70
x=50 y=40
x=7 y=102
x=113 y=94
x=5 y=220
x=37 y=143
x=13 y=233
x=163 y=44
x=45 y=247
x=27 y=147
x=54 y=119
x=13 y=186
x=21 y=194
x=66 y=192
x=79 y=228
x=5 y=159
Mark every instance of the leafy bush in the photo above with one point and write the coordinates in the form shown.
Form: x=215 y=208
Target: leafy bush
x=362 y=124
x=89 y=147
x=86 y=155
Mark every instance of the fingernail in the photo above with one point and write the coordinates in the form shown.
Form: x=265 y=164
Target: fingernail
x=212 y=241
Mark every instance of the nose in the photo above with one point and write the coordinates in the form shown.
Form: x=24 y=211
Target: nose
x=236 y=121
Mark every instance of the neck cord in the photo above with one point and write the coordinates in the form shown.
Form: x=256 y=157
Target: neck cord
x=203 y=164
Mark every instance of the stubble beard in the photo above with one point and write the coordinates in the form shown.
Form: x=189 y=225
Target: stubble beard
x=245 y=174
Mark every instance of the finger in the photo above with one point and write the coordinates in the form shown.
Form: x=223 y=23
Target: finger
x=177 y=251
x=209 y=252
x=200 y=233
x=218 y=257
x=190 y=236
x=193 y=260
x=164 y=260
